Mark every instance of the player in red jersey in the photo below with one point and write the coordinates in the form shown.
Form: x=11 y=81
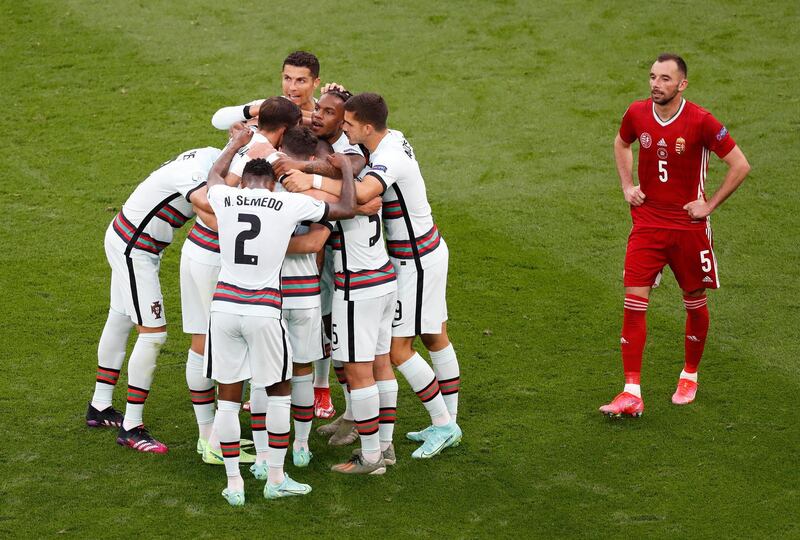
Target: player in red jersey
x=670 y=218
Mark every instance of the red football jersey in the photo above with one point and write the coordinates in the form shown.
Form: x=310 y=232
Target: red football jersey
x=673 y=160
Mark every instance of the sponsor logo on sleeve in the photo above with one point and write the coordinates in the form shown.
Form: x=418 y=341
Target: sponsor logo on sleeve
x=381 y=168
x=722 y=133
x=645 y=140
x=198 y=177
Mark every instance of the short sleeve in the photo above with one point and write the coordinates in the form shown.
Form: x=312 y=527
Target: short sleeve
x=310 y=209
x=216 y=195
x=716 y=136
x=191 y=183
x=627 y=131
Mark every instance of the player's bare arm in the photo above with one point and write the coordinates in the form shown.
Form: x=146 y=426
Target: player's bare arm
x=623 y=155
x=209 y=218
x=738 y=168
x=220 y=169
x=366 y=190
x=311 y=242
x=345 y=208
x=316 y=166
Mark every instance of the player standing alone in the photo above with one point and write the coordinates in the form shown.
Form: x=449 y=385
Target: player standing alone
x=670 y=218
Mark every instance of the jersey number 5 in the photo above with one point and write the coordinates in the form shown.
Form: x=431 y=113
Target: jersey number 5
x=240 y=257
x=662 y=170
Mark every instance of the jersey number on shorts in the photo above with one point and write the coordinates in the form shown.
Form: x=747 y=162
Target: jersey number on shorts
x=398 y=311
x=240 y=257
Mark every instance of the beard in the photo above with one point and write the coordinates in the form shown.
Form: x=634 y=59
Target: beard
x=663 y=99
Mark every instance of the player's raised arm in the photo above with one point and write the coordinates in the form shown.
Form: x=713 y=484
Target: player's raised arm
x=738 y=169
x=226 y=117
x=623 y=155
x=345 y=208
x=217 y=173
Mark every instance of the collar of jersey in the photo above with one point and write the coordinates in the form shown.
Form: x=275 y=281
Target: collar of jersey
x=674 y=117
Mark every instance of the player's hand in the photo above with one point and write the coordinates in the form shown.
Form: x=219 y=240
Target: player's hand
x=340 y=161
x=634 y=196
x=284 y=164
x=371 y=207
x=307 y=118
x=698 y=209
x=240 y=135
x=333 y=86
x=297 y=181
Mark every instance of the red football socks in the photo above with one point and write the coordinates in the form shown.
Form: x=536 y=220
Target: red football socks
x=634 y=334
x=696 y=330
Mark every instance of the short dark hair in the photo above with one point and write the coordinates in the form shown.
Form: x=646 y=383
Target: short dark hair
x=344 y=95
x=303 y=59
x=299 y=142
x=277 y=112
x=259 y=167
x=369 y=108
x=666 y=57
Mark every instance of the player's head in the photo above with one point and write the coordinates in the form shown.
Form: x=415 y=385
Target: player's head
x=328 y=116
x=300 y=77
x=364 y=116
x=668 y=78
x=299 y=143
x=278 y=114
x=258 y=173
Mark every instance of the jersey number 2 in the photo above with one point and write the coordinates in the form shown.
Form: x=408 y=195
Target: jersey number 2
x=240 y=257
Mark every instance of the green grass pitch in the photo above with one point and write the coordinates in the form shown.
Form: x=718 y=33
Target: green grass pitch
x=512 y=107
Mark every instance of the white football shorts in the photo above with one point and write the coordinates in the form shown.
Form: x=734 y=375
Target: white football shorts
x=198 y=281
x=241 y=347
x=304 y=328
x=135 y=286
x=361 y=329
x=421 y=301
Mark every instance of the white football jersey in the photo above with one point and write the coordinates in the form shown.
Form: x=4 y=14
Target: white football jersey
x=202 y=244
x=258 y=146
x=255 y=226
x=343 y=146
x=360 y=264
x=160 y=204
x=411 y=234
x=300 y=275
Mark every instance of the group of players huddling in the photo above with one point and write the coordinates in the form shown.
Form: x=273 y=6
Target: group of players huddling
x=274 y=281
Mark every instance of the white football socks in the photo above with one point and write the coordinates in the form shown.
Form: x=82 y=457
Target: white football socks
x=689 y=376
x=322 y=372
x=387 y=392
x=258 y=421
x=278 y=408
x=423 y=381
x=202 y=393
x=634 y=389
x=110 y=357
x=366 y=405
x=302 y=409
x=226 y=424
x=445 y=366
x=141 y=367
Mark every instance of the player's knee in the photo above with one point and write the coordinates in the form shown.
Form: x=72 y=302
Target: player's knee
x=695 y=293
x=283 y=388
x=298 y=370
x=155 y=338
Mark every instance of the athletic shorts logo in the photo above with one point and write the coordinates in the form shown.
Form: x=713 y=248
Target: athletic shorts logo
x=707 y=279
x=662 y=153
x=155 y=307
x=680 y=145
x=722 y=133
x=645 y=140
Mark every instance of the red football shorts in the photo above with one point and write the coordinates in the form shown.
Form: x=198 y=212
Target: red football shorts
x=689 y=253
